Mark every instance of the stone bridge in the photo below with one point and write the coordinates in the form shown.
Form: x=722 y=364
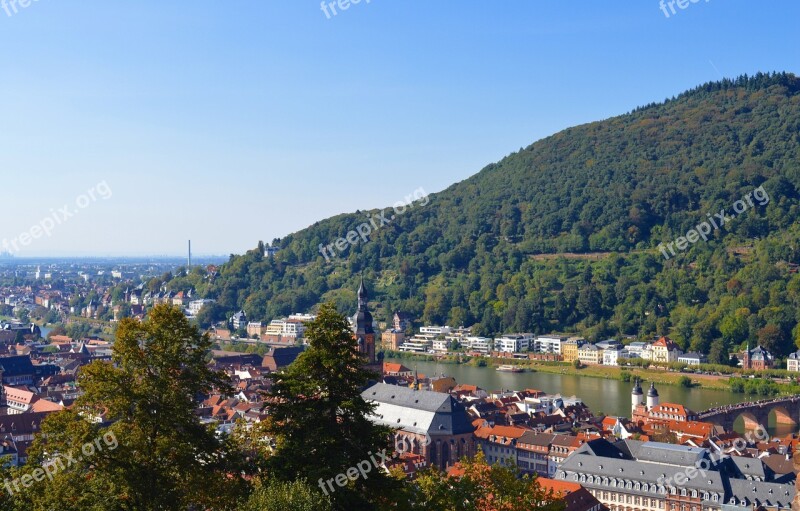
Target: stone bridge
x=786 y=410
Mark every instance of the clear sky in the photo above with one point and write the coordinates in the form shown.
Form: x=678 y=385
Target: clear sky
x=230 y=122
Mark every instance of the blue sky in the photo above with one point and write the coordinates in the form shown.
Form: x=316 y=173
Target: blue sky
x=230 y=122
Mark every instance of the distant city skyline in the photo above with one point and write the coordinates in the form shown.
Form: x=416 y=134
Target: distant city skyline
x=229 y=124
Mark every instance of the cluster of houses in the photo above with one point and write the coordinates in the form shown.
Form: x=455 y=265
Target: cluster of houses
x=38 y=378
x=442 y=340
x=92 y=290
x=249 y=376
x=609 y=459
x=595 y=463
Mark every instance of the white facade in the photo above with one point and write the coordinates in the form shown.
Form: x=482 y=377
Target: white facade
x=416 y=344
x=435 y=330
x=692 y=359
x=440 y=345
x=636 y=349
x=293 y=328
x=549 y=344
x=479 y=344
x=302 y=317
x=195 y=305
x=612 y=357
x=512 y=343
x=793 y=362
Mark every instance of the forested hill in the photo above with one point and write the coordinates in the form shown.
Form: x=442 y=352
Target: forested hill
x=477 y=251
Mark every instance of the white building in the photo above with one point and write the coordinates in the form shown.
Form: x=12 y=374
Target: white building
x=479 y=344
x=286 y=328
x=549 y=344
x=195 y=306
x=513 y=343
x=614 y=357
x=692 y=359
x=793 y=362
x=416 y=344
x=440 y=345
x=636 y=349
x=435 y=330
x=305 y=318
x=611 y=357
x=293 y=328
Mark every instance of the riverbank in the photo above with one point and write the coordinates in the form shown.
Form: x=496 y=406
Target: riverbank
x=659 y=376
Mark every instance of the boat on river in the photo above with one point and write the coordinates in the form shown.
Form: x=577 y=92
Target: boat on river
x=510 y=369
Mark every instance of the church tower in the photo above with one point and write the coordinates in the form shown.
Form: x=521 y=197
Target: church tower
x=363 y=330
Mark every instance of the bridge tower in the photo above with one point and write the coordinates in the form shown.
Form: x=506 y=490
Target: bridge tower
x=652 y=396
x=637 y=396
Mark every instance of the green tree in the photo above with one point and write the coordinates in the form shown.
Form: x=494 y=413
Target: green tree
x=165 y=459
x=209 y=314
x=482 y=488
x=23 y=315
x=718 y=353
x=734 y=327
x=319 y=420
x=286 y=496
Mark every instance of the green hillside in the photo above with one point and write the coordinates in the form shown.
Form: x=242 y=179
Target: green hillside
x=478 y=251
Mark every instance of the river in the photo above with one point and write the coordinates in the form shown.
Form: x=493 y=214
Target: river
x=611 y=397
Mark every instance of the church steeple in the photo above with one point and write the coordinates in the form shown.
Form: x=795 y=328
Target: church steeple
x=362 y=295
x=363 y=330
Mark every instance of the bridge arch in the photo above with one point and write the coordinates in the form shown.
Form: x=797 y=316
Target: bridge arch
x=751 y=422
x=784 y=416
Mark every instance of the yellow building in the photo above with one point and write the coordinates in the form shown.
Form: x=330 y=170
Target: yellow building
x=590 y=354
x=569 y=350
x=665 y=351
x=444 y=384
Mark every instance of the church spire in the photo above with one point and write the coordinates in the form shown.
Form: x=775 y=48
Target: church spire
x=363 y=329
x=362 y=295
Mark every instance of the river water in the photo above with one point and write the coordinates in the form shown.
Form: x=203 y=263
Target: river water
x=611 y=397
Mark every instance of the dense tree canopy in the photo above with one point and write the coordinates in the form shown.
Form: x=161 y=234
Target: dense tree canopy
x=483 y=251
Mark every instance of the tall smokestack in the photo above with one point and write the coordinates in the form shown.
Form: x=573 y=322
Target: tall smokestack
x=190 y=254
